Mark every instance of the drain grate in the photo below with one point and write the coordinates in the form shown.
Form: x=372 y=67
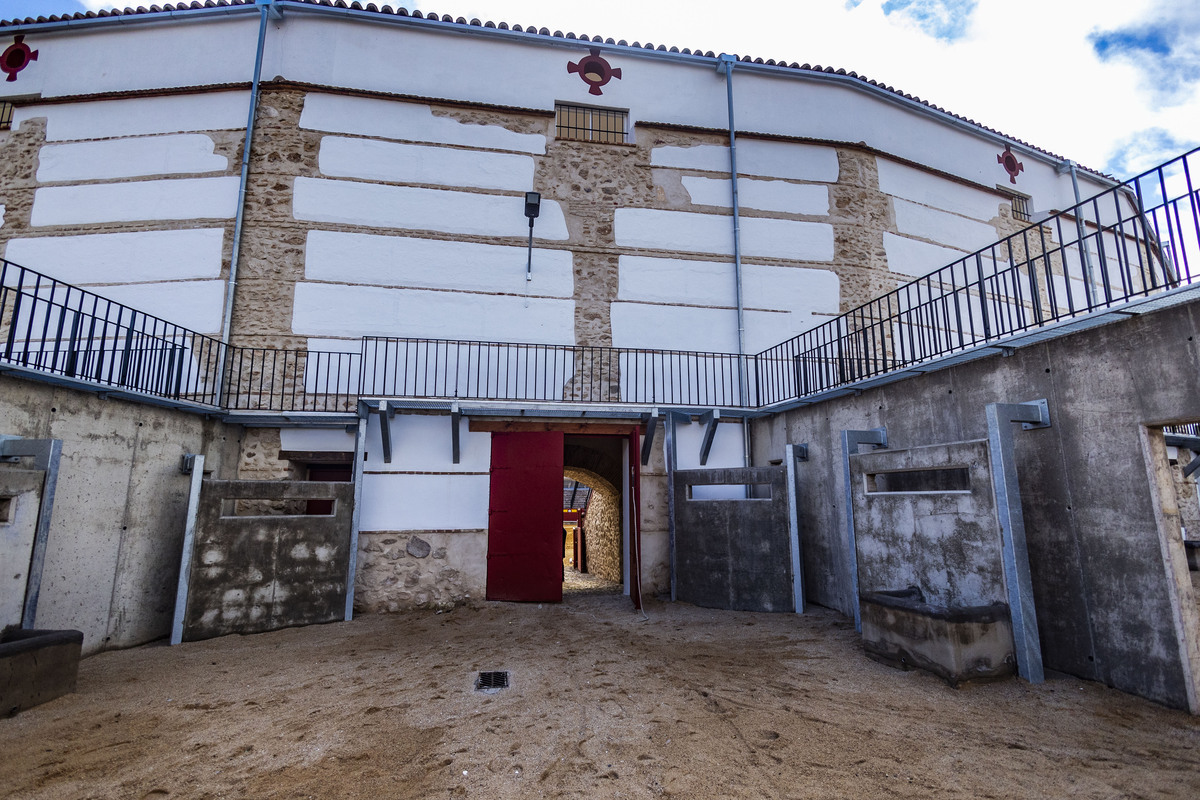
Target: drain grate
x=491 y=682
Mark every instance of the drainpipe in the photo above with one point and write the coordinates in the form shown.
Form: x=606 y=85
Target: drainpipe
x=1071 y=166
x=265 y=7
x=725 y=64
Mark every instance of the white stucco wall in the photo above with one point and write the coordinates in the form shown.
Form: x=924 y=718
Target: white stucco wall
x=98 y=258
x=139 y=116
x=422 y=489
x=339 y=310
x=371 y=159
x=388 y=119
x=703 y=233
x=360 y=258
x=135 y=201
x=772 y=195
x=129 y=158
x=415 y=208
x=394 y=56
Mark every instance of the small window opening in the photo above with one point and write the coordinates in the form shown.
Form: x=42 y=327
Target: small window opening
x=580 y=123
x=1021 y=210
x=950 y=479
x=748 y=491
x=6 y=508
x=6 y=115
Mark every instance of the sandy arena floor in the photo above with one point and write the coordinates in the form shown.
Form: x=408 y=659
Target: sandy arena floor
x=690 y=704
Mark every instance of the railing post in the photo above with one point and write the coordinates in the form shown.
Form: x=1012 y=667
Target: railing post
x=983 y=310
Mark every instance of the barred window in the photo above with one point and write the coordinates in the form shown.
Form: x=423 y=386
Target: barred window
x=590 y=124
x=1020 y=207
x=6 y=114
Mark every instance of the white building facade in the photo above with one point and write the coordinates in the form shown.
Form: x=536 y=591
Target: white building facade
x=383 y=195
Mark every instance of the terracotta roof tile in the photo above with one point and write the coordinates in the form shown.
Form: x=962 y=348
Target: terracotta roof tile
x=530 y=30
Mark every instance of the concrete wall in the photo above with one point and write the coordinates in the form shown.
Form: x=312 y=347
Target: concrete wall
x=1111 y=604
x=733 y=553
x=943 y=540
x=253 y=572
x=114 y=549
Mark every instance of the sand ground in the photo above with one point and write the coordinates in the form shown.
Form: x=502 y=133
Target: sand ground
x=692 y=703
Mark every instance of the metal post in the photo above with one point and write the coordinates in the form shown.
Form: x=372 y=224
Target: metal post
x=1017 y=579
x=793 y=453
x=360 y=455
x=189 y=544
x=850 y=442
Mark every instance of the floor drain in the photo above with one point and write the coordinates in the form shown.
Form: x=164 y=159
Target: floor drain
x=491 y=682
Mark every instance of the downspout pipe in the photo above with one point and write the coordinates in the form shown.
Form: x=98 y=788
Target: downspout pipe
x=265 y=8
x=725 y=63
x=1088 y=288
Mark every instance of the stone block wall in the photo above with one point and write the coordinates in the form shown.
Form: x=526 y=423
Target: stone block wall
x=422 y=569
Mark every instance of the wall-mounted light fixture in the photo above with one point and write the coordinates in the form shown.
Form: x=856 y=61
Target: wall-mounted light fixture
x=533 y=205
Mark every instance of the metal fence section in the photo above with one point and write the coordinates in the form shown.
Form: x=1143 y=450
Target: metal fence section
x=267 y=379
x=431 y=368
x=50 y=326
x=1136 y=239
x=1128 y=242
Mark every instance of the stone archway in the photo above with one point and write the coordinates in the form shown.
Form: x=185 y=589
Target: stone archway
x=596 y=462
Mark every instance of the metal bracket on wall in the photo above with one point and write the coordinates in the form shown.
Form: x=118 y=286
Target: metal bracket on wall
x=195 y=464
x=1000 y=416
x=877 y=437
x=792 y=454
x=386 y=412
x=455 y=417
x=651 y=420
x=46 y=455
x=709 y=420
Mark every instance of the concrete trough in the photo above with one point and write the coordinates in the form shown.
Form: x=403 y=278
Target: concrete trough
x=958 y=645
x=36 y=666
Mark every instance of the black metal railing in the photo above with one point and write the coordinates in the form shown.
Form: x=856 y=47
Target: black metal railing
x=267 y=379
x=434 y=368
x=1135 y=240
x=1131 y=241
x=50 y=326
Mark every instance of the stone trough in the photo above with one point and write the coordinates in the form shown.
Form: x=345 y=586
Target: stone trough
x=36 y=666
x=958 y=645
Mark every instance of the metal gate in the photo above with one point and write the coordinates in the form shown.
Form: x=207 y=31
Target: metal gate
x=734 y=544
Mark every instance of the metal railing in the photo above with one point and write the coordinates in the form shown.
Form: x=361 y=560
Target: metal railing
x=434 y=368
x=53 y=327
x=267 y=379
x=1137 y=239
x=1128 y=242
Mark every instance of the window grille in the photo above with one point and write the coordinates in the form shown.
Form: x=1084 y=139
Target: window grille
x=6 y=115
x=1020 y=208
x=585 y=124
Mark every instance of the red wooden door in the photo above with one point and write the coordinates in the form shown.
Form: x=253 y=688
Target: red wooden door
x=524 y=559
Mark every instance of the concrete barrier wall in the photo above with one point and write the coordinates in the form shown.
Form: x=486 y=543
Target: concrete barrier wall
x=943 y=540
x=113 y=553
x=261 y=563
x=733 y=553
x=1108 y=608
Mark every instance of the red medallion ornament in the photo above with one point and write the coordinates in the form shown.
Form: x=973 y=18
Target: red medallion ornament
x=595 y=70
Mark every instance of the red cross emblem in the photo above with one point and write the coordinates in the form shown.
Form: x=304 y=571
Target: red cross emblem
x=1008 y=159
x=595 y=70
x=16 y=57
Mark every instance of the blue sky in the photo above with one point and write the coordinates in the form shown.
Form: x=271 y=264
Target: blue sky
x=1113 y=84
